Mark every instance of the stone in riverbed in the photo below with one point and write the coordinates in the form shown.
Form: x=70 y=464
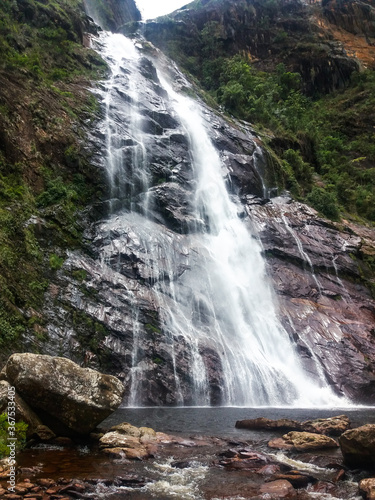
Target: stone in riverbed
x=358 y=446
x=68 y=398
x=278 y=489
x=283 y=424
x=334 y=426
x=302 y=441
x=367 y=488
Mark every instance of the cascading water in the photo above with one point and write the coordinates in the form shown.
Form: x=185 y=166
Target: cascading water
x=207 y=281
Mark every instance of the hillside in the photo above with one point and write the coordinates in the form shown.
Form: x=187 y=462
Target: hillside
x=304 y=73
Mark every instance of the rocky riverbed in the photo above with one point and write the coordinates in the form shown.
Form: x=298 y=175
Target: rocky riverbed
x=124 y=461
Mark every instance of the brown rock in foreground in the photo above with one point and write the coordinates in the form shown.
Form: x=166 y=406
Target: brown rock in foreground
x=68 y=398
x=358 y=446
x=278 y=489
x=302 y=441
x=367 y=488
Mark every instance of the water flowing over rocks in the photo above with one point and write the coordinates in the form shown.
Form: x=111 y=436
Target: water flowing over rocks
x=316 y=270
x=128 y=307
x=68 y=398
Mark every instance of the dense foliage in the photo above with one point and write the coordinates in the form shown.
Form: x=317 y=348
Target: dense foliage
x=324 y=144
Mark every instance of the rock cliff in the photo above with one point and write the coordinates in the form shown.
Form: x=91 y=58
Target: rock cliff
x=293 y=32
x=80 y=285
x=105 y=313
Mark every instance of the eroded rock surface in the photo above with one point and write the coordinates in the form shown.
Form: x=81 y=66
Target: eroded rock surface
x=358 y=446
x=67 y=397
x=302 y=441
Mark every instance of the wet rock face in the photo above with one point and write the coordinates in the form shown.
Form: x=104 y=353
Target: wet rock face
x=315 y=269
x=107 y=306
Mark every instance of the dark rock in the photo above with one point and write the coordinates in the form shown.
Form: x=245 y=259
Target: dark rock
x=283 y=424
x=180 y=465
x=297 y=479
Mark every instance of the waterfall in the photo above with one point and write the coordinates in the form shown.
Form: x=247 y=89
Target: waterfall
x=218 y=331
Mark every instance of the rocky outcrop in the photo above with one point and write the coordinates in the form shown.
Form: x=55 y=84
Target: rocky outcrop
x=113 y=14
x=358 y=446
x=355 y=16
x=69 y=399
x=333 y=426
x=316 y=268
x=302 y=441
x=288 y=32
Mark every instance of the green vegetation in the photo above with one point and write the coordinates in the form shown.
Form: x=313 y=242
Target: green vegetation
x=20 y=435
x=45 y=174
x=324 y=146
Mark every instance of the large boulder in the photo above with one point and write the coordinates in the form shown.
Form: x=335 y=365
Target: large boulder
x=68 y=398
x=358 y=446
x=302 y=441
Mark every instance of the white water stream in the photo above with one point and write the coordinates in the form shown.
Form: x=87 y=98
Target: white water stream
x=259 y=364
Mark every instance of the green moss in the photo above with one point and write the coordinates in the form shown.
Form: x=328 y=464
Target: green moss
x=79 y=274
x=20 y=429
x=55 y=262
x=152 y=328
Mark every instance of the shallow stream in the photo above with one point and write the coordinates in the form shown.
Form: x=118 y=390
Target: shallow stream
x=193 y=468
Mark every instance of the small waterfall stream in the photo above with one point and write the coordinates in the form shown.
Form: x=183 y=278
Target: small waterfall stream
x=208 y=282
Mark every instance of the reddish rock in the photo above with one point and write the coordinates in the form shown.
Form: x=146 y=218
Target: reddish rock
x=297 y=479
x=278 y=489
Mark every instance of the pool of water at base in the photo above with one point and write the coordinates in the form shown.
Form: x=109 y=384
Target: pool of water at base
x=220 y=421
x=203 y=478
